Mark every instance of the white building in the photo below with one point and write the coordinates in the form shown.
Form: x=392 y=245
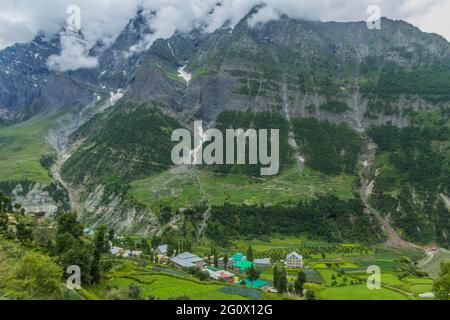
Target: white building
x=265 y=262
x=162 y=250
x=294 y=260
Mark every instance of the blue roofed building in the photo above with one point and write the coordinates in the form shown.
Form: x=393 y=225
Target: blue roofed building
x=188 y=260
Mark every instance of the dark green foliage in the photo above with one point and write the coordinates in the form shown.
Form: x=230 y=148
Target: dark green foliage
x=79 y=253
x=250 y=120
x=424 y=81
x=300 y=282
x=282 y=281
x=134 y=291
x=275 y=277
x=376 y=108
x=5 y=206
x=244 y=292
x=59 y=194
x=73 y=250
x=127 y=143
x=24 y=233
x=68 y=224
x=8 y=186
x=335 y=106
x=418 y=171
x=48 y=160
x=250 y=253
x=412 y=153
x=329 y=148
x=199 y=274
x=441 y=286
x=252 y=274
x=327 y=218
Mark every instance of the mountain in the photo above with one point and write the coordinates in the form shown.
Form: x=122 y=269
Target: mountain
x=367 y=111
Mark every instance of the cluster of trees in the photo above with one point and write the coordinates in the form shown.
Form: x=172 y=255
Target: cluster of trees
x=250 y=120
x=71 y=248
x=426 y=81
x=328 y=148
x=127 y=143
x=335 y=106
x=25 y=275
x=441 y=286
x=325 y=218
x=5 y=206
x=412 y=178
x=281 y=283
x=175 y=247
x=414 y=155
x=377 y=107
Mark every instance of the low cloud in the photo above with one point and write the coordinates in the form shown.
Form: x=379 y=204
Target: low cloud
x=103 y=20
x=74 y=54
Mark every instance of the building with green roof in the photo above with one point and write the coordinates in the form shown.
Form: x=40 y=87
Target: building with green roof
x=237 y=257
x=243 y=265
x=255 y=284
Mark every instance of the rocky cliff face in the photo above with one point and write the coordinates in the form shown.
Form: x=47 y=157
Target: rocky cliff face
x=340 y=72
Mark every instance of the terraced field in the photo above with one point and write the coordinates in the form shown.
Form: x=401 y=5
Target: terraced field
x=166 y=287
x=21 y=148
x=163 y=283
x=183 y=187
x=359 y=292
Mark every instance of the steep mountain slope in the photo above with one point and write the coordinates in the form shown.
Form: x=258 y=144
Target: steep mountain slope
x=325 y=84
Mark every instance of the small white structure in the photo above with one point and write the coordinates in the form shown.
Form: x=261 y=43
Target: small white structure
x=162 y=250
x=294 y=260
x=116 y=251
x=131 y=254
x=264 y=262
x=427 y=295
x=120 y=252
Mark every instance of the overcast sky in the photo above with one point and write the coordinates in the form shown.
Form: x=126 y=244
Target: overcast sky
x=21 y=20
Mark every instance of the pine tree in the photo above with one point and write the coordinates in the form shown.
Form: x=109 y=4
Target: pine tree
x=282 y=281
x=225 y=262
x=299 y=283
x=250 y=253
x=276 y=277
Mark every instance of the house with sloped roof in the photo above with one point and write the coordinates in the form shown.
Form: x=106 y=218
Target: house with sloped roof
x=162 y=249
x=116 y=251
x=237 y=257
x=187 y=260
x=294 y=260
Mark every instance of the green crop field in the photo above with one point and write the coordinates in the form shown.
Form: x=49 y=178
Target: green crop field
x=21 y=148
x=326 y=275
x=162 y=283
x=183 y=187
x=166 y=287
x=387 y=278
x=358 y=292
x=432 y=264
